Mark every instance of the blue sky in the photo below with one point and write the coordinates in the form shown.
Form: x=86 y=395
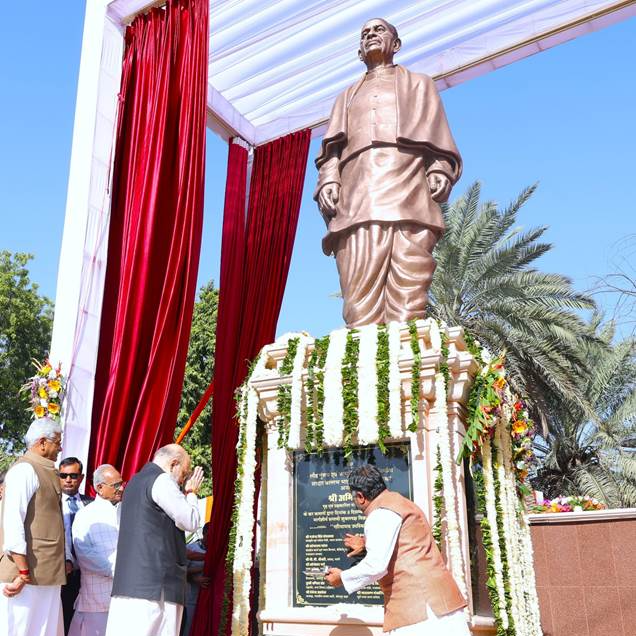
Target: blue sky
x=563 y=118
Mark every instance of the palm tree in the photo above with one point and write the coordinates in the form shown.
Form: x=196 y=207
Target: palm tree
x=485 y=282
x=595 y=457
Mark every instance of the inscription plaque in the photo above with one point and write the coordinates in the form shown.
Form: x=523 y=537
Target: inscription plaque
x=324 y=512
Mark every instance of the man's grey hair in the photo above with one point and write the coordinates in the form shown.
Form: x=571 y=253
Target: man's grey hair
x=99 y=476
x=166 y=453
x=42 y=427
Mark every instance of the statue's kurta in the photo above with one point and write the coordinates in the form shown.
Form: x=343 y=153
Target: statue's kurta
x=386 y=134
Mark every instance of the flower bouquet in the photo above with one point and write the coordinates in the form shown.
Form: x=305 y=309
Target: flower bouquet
x=568 y=504
x=45 y=390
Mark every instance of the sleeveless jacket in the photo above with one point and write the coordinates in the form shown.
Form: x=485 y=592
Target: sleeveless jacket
x=417 y=576
x=43 y=528
x=151 y=550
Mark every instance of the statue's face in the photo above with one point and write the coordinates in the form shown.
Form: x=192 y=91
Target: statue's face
x=377 y=41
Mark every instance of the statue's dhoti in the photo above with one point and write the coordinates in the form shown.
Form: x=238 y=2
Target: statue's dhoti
x=385 y=271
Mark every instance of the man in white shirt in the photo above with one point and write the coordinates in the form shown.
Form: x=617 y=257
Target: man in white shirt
x=95 y=533
x=421 y=597
x=149 y=586
x=71 y=474
x=32 y=538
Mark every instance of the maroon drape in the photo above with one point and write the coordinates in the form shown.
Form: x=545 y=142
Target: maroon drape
x=246 y=322
x=155 y=235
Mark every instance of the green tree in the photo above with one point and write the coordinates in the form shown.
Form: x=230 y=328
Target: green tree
x=595 y=456
x=26 y=321
x=198 y=373
x=485 y=282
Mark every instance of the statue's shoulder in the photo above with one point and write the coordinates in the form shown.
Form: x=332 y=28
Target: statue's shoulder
x=415 y=78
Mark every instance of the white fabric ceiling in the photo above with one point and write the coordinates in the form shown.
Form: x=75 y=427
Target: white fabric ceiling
x=277 y=65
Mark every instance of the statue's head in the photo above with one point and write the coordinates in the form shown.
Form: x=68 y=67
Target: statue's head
x=379 y=42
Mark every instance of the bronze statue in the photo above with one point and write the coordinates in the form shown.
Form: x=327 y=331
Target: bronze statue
x=387 y=161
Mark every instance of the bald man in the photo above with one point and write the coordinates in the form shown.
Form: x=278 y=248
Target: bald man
x=158 y=507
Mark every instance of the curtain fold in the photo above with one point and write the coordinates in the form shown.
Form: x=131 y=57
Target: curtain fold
x=254 y=267
x=155 y=235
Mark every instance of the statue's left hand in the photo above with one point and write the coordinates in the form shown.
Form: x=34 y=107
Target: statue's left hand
x=439 y=185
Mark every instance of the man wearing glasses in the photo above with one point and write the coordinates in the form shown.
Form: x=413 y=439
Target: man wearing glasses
x=71 y=477
x=32 y=538
x=95 y=533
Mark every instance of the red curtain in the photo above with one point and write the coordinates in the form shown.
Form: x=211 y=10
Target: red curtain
x=155 y=235
x=250 y=300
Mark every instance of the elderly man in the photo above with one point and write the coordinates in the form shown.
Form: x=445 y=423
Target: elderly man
x=387 y=160
x=71 y=477
x=421 y=597
x=95 y=533
x=158 y=507
x=32 y=538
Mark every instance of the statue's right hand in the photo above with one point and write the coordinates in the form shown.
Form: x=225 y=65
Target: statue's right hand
x=327 y=199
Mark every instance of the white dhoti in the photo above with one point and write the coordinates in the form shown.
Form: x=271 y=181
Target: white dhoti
x=35 y=611
x=140 y=617
x=453 y=624
x=88 y=624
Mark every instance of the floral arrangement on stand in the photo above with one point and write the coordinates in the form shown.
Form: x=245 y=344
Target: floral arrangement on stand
x=45 y=390
x=568 y=504
x=498 y=444
x=345 y=390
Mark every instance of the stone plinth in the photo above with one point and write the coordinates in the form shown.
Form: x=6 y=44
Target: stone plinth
x=277 y=614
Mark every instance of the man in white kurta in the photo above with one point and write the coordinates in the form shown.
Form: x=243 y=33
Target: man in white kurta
x=388 y=556
x=158 y=507
x=95 y=534
x=30 y=601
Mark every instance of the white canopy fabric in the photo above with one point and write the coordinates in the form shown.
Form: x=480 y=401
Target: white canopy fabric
x=277 y=65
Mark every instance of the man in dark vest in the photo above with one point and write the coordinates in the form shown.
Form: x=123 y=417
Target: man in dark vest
x=421 y=597
x=32 y=538
x=149 y=587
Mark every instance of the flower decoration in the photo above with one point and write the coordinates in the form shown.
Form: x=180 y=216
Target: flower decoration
x=574 y=503
x=46 y=390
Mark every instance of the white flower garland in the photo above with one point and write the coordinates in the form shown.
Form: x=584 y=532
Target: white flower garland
x=333 y=407
x=368 y=385
x=521 y=576
x=440 y=415
x=241 y=569
x=491 y=515
x=395 y=381
x=434 y=334
x=297 y=392
x=525 y=552
x=508 y=506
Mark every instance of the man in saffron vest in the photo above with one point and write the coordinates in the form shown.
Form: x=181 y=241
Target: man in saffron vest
x=421 y=597
x=149 y=585
x=387 y=161
x=32 y=538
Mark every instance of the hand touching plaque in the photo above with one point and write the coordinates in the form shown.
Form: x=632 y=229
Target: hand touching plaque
x=387 y=161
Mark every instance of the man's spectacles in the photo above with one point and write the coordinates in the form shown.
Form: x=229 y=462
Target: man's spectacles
x=118 y=485
x=69 y=475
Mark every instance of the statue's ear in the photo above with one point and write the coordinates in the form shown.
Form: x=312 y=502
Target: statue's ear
x=360 y=55
x=397 y=45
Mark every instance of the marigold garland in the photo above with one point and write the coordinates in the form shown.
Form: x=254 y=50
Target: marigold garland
x=416 y=382
x=284 y=398
x=350 y=392
x=383 y=406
